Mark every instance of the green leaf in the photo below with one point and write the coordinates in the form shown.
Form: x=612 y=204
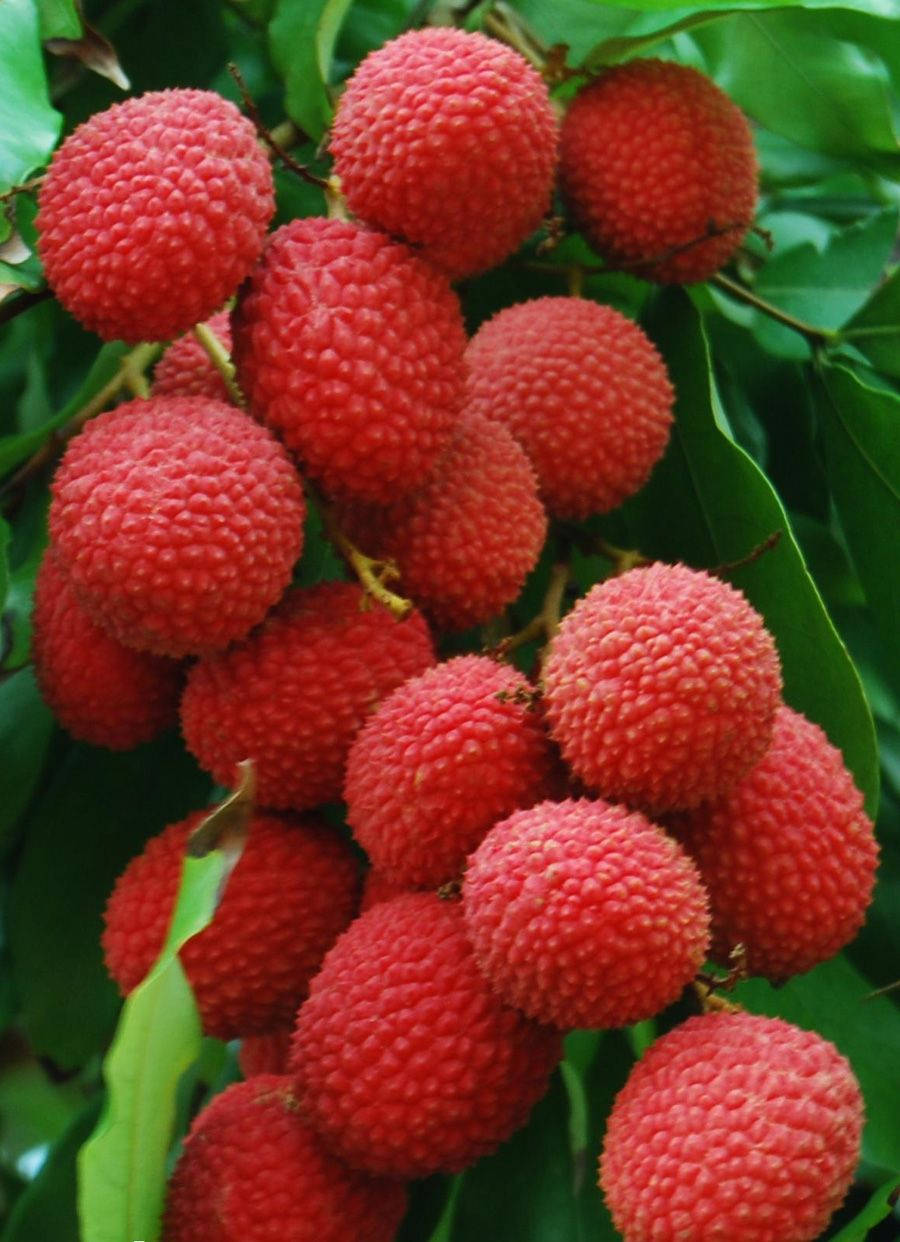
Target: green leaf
x=29 y=125
x=861 y=432
x=603 y=1079
x=643 y=35
x=122 y=1167
x=709 y=504
x=4 y=562
x=877 y=1209
x=26 y=725
x=302 y=35
x=60 y=19
x=875 y=329
x=46 y=1208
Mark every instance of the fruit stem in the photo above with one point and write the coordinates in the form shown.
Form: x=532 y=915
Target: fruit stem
x=546 y=623
x=622 y=559
x=221 y=360
x=770 y=542
x=506 y=26
x=372 y=573
x=815 y=335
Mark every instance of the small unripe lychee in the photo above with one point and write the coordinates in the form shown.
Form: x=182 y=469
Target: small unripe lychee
x=788 y=856
x=585 y=914
x=442 y=759
x=253 y=1170
x=294 y=889
x=351 y=348
x=732 y=1126
x=661 y=687
x=153 y=212
x=185 y=369
x=583 y=391
x=658 y=169
x=406 y=1062
x=100 y=691
x=448 y=140
x=293 y=695
x=178 y=521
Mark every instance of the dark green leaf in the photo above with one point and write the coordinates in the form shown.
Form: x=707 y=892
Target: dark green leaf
x=26 y=724
x=59 y=19
x=122 y=1167
x=29 y=126
x=603 y=1079
x=302 y=35
x=875 y=329
x=877 y=1209
x=4 y=565
x=46 y=1209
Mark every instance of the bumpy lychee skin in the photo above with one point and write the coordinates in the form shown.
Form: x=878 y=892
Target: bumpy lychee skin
x=447 y=140
x=266 y=1054
x=294 y=889
x=788 y=856
x=405 y=1060
x=293 y=696
x=377 y=887
x=351 y=348
x=658 y=169
x=441 y=760
x=253 y=1170
x=99 y=691
x=467 y=539
x=178 y=521
x=153 y=212
x=661 y=687
x=585 y=914
x=185 y=369
x=584 y=392
x=732 y=1126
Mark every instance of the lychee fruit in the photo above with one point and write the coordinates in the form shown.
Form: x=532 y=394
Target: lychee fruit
x=185 y=369
x=732 y=1126
x=252 y=1170
x=661 y=687
x=351 y=348
x=99 y=691
x=448 y=140
x=658 y=169
x=178 y=521
x=406 y=1062
x=377 y=887
x=468 y=538
x=788 y=856
x=268 y=1053
x=585 y=914
x=584 y=392
x=294 y=889
x=293 y=696
x=442 y=759
x=153 y=212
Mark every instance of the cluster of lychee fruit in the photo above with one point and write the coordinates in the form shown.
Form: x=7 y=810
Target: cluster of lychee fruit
x=541 y=854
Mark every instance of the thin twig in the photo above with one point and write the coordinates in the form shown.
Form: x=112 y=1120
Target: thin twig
x=372 y=573
x=546 y=623
x=221 y=360
x=815 y=335
x=622 y=559
x=770 y=542
x=268 y=137
x=22 y=302
x=24 y=188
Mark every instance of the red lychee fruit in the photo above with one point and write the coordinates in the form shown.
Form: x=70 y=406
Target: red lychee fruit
x=294 y=889
x=406 y=1062
x=788 y=856
x=253 y=1170
x=266 y=1054
x=376 y=888
x=658 y=169
x=293 y=696
x=732 y=1126
x=441 y=760
x=178 y=521
x=467 y=539
x=185 y=369
x=153 y=212
x=100 y=691
x=584 y=392
x=351 y=348
x=585 y=914
x=448 y=140
x=661 y=687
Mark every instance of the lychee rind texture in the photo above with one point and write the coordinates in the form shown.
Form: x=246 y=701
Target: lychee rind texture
x=294 y=889
x=658 y=169
x=266 y=1054
x=98 y=690
x=351 y=348
x=178 y=521
x=293 y=696
x=153 y=212
x=585 y=914
x=466 y=541
x=449 y=141
x=185 y=369
x=732 y=1126
x=788 y=856
x=661 y=687
x=253 y=1170
x=406 y=1062
x=441 y=760
x=584 y=392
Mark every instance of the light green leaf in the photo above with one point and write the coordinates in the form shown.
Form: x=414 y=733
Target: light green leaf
x=29 y=125
x=122 y=1167
x=644 y=35
x=877 y=1209
x=876 y=8
x=60 y=19
x=302 y=35
x=875 y=329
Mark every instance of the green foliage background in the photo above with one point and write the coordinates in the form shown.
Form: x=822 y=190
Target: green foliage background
x=778 y=429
